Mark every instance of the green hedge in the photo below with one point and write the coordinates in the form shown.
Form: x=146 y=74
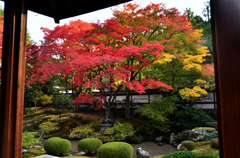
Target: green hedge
x=57 y=146
x=181 y=154
x=188 y=154
x=89 y=145
x=207 y=156
x=115 y=150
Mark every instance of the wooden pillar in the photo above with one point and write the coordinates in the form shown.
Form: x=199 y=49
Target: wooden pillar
x=226 y=40
x=12 y=84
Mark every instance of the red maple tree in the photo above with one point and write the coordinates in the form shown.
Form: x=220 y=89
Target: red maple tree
x=100 y=57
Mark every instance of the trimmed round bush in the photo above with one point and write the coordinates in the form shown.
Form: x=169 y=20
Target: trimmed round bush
x=115 y=150
x=189 y=145
x=89 y=145
x=57 y=146
x=207 y=156
x=214 y=143
x=181 y=154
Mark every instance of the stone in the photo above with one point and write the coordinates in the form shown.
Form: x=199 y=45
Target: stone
x=73 y=136
x=37 y=147
x=179 y=147
x=172 y=139
x=106 y=123
x=46 y=156
x=159 y=139
x=105 y=126
x=24 y=150
x=80 y=153
x=142 y=153
x=200 y=131
x=106 y=120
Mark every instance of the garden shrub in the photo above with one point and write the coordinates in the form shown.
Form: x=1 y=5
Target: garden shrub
x=118 y=131
x=62 y=100
x=184 y=135
x=83 y=131
x=214 y=143
x=135 y=139
x=96 y=125
x=211 y=124
x=27 y=111
x=89 y=145
x=29 y=139
x=47 y=127
x=209 y=136
x=207 y=156
x=181 y=154
x=157 y=113
x=57 y=146
x=115 y=150
x=190 y=118
x=189 y=145
x=76 y=117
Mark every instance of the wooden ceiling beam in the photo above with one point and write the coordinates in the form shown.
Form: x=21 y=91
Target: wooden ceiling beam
x=68 y=8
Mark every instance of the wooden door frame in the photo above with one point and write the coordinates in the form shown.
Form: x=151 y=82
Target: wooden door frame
x=226 y=42
x=12 y=82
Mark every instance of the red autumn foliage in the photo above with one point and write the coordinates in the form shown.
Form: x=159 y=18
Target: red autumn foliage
x=110 y=56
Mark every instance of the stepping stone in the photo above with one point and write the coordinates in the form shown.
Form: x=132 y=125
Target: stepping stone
x=46 y=156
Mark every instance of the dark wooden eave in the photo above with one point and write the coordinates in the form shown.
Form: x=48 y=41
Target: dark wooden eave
x=60 y=9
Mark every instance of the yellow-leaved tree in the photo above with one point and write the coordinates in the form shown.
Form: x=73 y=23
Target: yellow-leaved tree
x=182 y=65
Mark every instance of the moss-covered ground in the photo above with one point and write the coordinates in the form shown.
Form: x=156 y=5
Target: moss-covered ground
x=33 y=153
x=205 y=148
x=67 y=120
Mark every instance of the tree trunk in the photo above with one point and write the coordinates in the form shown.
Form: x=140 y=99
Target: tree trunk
x=127 y=107
x=66 y=86
x=78 y=92
x=107 y=110
x=76 y=107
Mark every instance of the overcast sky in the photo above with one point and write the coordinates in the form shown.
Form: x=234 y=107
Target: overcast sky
x=35 y=21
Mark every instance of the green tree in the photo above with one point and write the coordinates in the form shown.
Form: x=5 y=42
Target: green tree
x=157 y=112
x=29 y=139
x=203 y=23
x=47 y=127
x=29 y=39
x=1 y=12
